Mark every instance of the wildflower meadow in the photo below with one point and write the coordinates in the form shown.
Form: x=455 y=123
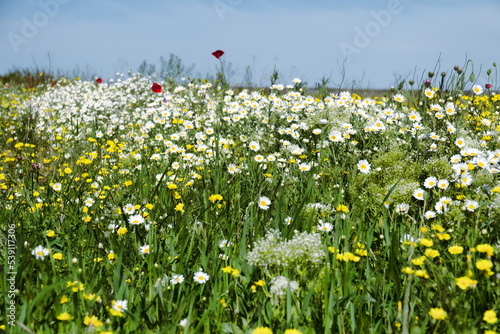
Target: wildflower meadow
x=139 y=204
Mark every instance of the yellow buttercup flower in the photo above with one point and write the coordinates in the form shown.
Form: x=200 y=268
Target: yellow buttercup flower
x=465 y=282
x=92 y=321
x=214 y=198
x=490 y=317
x=227 y=269
x=64 y=316
x=179 y=207
x=422 y=273
x=456 y=249
x=292 y=331
x=407 y=271
x=443 y=236
x=438 y=228
x=432 y=253
x=485 y=248
x=438 y=313
x=260 y=283
x=122 y=231
x=426 y=242
x=115 y=313
x=484 y=264
x=342 y=208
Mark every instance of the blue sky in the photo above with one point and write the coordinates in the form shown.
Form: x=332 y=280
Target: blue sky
x=381 y=39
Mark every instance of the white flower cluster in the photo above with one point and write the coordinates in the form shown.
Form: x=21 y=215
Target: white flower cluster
x=279 y=286
x=495 y=203
x=405 y=188
x=321 y=208
x=304 y=248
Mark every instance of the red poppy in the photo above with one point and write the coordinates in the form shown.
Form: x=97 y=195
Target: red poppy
x=99 y=80
x=488 y=86
x=217 y=54
x=156 y=88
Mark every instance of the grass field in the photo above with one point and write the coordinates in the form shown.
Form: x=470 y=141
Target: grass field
x=135 y=206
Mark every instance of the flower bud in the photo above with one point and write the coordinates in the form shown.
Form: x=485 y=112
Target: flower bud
x=427 y=83
x=455 y=68
x=431 y=74
x=393 y=89
x=488 y=71
x=443 y=74
x=459 y=71
x=487 y=86
x=472 y=77
x=411 y=82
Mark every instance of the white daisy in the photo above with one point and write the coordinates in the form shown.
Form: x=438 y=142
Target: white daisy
x=324 y=227
x=129 y=209
x=455 y=158
x=177 y=279
x=40 y=252
x=402 y=208
x=264 y=203
x=335 y=136
x=232 y=169
x=460 y=142
x=471 y=205
x=477 y=89
x=430 y=182
x=364 y=166
x=443 y=184
x=200 y=277
x=136 y=220
x=224 y=243
x=304 y=167
x=466 y=179
x=144 y=249
x=119 y=305
x=429 y=93
x=259 y=158
x=399 y=98
x=419 y=194
x=429 y=214
x=254 y=146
